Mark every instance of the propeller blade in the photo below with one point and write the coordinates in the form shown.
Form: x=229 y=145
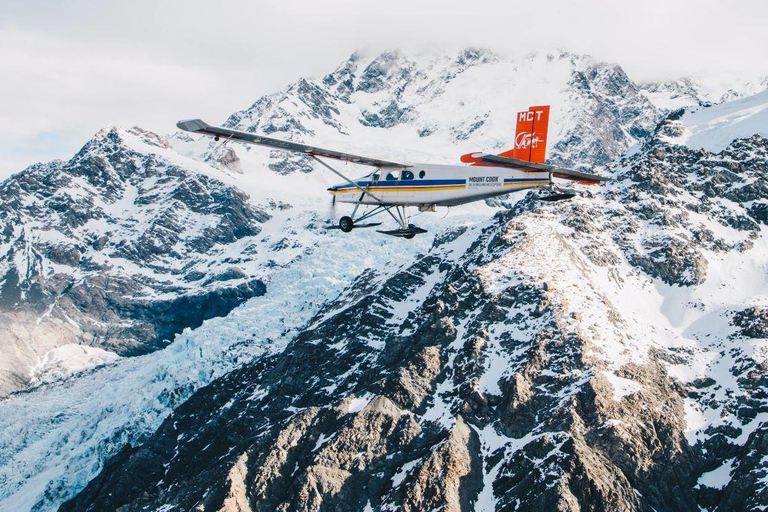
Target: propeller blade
x=332 y=209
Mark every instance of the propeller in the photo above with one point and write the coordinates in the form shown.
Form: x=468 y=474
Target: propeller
x=332 y=209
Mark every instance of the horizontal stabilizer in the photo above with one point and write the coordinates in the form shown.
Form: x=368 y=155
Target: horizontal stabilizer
x=515 y=162
x=557 y=172
x=581 y=177
x=201 y=127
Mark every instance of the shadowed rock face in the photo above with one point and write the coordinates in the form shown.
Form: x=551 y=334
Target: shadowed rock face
x=372 y=406
x=501 y=370
x=753 y=322
x=119 y=248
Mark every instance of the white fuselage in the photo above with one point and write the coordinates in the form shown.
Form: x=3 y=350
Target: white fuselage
x=440 y=185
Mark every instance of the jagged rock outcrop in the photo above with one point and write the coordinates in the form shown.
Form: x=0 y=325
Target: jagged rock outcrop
x=753 y=322
x=120 y=248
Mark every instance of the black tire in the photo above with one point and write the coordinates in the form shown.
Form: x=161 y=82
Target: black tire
x=346 y=224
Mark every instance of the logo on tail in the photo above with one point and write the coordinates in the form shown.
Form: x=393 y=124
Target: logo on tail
x=527 y=140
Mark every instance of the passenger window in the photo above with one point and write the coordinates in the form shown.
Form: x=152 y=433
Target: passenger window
x=407 y=175
x=422 y=174
x=375 y=177
x=392 y=176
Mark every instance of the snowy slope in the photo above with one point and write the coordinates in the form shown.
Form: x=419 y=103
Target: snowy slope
x=713 y=128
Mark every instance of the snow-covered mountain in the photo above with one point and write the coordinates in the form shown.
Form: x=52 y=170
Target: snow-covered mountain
x=117 y=250
x=109 y=219
x=704 y=89
x=604 y=353
x=439 y=106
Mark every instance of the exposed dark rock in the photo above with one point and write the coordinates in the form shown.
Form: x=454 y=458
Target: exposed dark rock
x=287 y=433
x=387 y=117
x=102 y=241
x=753 y=322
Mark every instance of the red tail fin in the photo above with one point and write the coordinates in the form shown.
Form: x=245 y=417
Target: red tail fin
x=530 y=142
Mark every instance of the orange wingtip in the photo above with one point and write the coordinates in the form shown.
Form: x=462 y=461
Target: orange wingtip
x=471 y=158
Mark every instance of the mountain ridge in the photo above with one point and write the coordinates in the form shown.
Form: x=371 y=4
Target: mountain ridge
x=674 y=216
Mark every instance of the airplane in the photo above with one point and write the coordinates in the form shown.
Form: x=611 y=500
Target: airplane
x=393 y=186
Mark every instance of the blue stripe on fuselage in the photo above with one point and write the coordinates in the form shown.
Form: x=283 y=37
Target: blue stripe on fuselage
x=406 y=183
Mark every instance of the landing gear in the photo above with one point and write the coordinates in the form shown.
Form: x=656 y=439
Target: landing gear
x=407 y=231
x=396 y=211
x=346 y=224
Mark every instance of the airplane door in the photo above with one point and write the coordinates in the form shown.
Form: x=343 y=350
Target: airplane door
x=407 y=178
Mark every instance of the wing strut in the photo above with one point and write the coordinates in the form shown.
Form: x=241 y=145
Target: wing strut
x=337 y=173
x=361 y=189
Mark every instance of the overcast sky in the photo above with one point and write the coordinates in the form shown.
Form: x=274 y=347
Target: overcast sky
x=71 y=67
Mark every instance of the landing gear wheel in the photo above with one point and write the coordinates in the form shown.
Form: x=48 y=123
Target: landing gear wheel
x=346 y=224
x=410 y=235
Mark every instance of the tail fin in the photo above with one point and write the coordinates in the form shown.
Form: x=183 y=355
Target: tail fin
x=530 y=142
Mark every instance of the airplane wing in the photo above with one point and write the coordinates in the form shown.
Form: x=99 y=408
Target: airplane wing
x=557 y=172
x=198 y=126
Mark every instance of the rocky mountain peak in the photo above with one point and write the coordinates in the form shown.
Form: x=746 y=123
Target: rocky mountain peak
x=368 y=95
x=97 y=247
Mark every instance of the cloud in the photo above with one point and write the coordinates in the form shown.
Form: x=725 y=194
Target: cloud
x=79 y=65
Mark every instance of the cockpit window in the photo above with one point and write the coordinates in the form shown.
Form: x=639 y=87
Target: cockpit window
x=407 y=175
x=392 y=176
x=375 y=177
